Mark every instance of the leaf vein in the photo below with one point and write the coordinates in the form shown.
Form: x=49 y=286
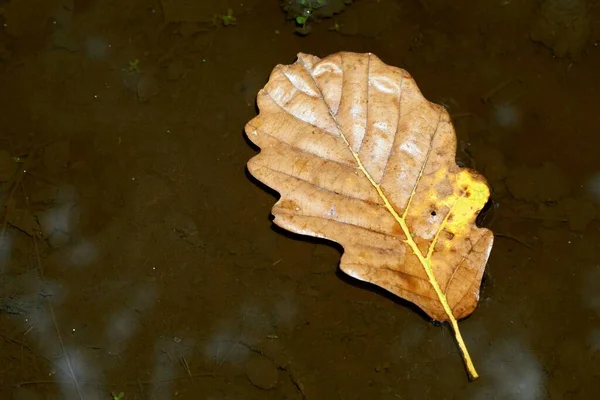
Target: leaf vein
x=364 y=138
x=461 y=261
x=335 y=221
x=416 y=184
x=297 y=118
x=346 y=196
x=300 y=149
x=393 y=146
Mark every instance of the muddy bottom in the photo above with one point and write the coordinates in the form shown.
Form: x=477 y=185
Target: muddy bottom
x=137 y=257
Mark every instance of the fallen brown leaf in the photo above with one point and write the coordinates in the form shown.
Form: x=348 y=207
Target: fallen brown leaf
x=360 y=157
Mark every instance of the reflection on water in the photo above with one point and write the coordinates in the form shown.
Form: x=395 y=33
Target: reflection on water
x=82 y=253
x=170 y=355
x=511 y=372
x=123 y=325
x=5 y=251
x=593 y=187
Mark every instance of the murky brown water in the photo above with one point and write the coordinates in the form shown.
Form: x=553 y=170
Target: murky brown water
x=157 y=272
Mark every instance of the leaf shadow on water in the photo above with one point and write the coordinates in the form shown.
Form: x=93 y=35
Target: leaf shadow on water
x=339 y=273
x=362 y=285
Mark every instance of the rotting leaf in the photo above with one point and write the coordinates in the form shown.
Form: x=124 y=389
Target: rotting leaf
x=361 y=158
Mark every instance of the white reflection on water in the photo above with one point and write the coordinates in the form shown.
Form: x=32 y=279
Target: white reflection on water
x=224 y=346
x=123 y=325
x=511 y=373
x=593 y=187
x=96 y=48
x=285 y=312
x=169 y=354
x=506 y=115
x=83 y=370
x=5 y=251
x=82 y=253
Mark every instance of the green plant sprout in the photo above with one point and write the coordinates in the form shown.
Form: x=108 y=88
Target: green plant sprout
x=301 y=20
x=309 y=3
x=336 y=27
x=307 y=8
x=228 y=19
x=119 y=396
x=133 y=66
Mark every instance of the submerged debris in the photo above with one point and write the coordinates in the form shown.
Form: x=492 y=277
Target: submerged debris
x=306 y=11
x=262 y=373
x=563 y=27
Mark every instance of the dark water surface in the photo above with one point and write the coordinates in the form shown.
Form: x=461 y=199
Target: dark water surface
x=137 y=255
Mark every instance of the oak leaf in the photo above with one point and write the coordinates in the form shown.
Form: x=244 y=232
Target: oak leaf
x=360 y=157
